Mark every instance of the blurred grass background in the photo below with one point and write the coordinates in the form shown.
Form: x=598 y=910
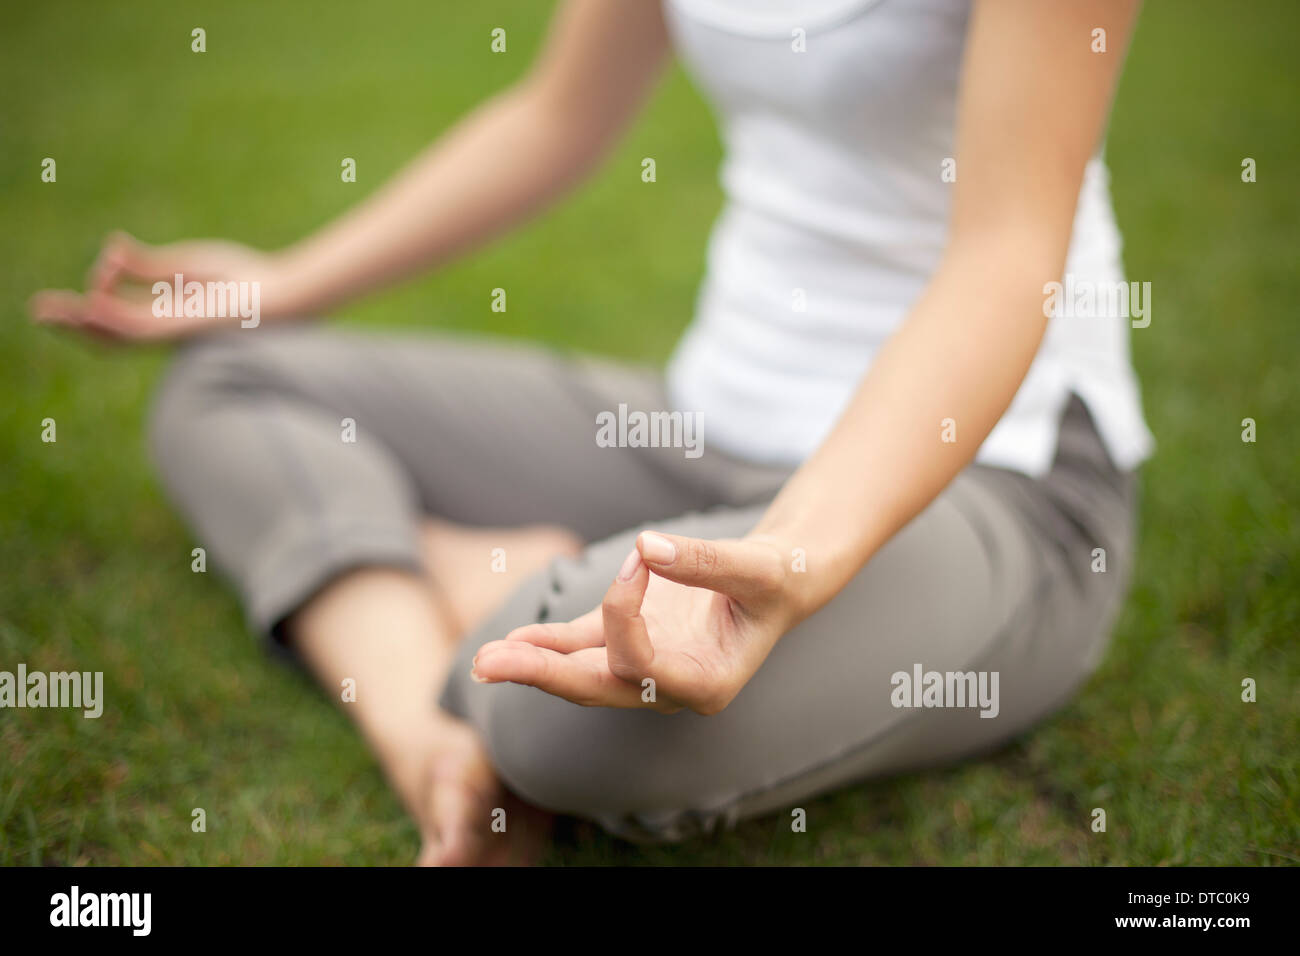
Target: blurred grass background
x=245 y=140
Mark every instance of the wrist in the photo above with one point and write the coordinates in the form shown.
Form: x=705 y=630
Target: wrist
x=815 y=570
x=297 y=288
x=796 y=594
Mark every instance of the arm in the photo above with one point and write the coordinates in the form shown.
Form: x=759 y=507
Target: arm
x=489 y=172
x=503 y=162
x=1034 y=102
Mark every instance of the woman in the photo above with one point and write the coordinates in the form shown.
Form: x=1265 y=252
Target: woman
x=908 y=469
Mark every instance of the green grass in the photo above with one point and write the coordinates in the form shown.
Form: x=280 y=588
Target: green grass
x=245 y=141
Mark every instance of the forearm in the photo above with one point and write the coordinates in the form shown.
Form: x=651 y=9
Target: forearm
x=1033 y=106
x=501 y=163
x=960 y=355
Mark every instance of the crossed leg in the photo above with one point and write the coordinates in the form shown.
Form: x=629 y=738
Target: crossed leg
x=435 y=762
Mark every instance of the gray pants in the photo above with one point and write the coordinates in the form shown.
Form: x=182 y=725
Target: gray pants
x=999 y=576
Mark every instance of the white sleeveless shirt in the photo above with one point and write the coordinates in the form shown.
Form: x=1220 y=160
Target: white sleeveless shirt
x=836 y=216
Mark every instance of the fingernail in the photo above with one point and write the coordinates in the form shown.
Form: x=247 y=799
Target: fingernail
x=476 y=678
x=630 y=564
x=657 y=548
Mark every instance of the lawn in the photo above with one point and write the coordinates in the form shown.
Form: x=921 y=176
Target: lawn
x=246 y=141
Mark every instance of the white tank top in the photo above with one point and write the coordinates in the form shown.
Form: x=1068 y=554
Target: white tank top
x=835 y=217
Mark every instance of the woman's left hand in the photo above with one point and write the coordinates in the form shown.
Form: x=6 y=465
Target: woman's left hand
x=691 y=634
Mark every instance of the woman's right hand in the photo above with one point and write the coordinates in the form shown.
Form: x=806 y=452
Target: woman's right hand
x=119 y=302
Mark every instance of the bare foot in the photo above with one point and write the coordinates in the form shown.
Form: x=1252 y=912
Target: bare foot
x=466 y=817
x=443 y=773
x=473 y=570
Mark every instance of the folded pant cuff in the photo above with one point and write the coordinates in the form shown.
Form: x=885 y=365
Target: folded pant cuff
x=301 y=563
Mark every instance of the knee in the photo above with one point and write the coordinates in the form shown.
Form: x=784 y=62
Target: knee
x=204 y=374
x=531 y=752
x=622 y=769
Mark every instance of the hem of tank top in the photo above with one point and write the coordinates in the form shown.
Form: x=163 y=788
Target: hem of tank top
x=775 y=26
